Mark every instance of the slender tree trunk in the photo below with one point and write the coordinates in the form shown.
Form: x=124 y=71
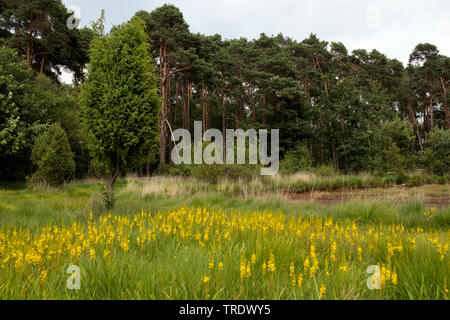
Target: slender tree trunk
x=168 y=95
x=252 y=106
x=41 y=71
x=264 y=116
x=321 y=139
x=425 y=115
x=205 y=116
x=112 y=180
x=413 y=121
x=308 y=94
x=29 y=53
x=29 y=46
x=176 y=103
x=188 y=110
x=184 y=105
x=418 y=135
x=224 y=126
x=447 y=115
x=238 y=112
x=162 y=133
x=333 y=145
x=431 y=113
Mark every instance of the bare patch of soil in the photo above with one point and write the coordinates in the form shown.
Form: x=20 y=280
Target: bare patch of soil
x=431 y=195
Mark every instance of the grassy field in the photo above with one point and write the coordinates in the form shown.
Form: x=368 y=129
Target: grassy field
x=179 y=238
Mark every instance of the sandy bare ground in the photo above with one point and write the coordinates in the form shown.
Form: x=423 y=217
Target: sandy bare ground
x=433 y=195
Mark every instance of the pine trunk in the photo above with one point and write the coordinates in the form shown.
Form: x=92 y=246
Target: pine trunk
x=41 y=71
x=447 y=115
x=431 y=114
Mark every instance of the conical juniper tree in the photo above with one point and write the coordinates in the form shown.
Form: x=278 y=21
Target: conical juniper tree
x=120 y=104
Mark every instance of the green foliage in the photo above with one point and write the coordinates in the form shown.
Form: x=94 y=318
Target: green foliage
x=53 y=157
x=216 y=172
x=297 y=159
x=37 y=29
x=391 y=146
x=389 y=159
x=176 y=170
x=62 y=102
x=22 y=117
x=324 y=170
x=15 y=83
x=367 y=211
x=108 y=200
x=120 y=104
x=210 y=173
x=356 y=110
x=437 y=154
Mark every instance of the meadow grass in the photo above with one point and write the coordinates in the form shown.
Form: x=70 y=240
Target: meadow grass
x=205 y=244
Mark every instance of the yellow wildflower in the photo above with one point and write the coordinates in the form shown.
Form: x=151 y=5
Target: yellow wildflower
x=322 y=291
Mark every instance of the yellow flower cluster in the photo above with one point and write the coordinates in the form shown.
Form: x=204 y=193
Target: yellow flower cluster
x=387 y=275
x=323 y=246
x=430 y=213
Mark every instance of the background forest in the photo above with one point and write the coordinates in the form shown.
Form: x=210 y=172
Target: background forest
x=338 y=110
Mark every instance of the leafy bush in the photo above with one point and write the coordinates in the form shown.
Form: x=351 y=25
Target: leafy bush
x=391 y=147
x=53 y=157
x=297 y=159
x=181 y=170
x=108 y=201
x=241 y=171
x=324 y=170
x=209 y=173
x=389 y=159
x=401 y=177
x=215 y=172
x=437 y=153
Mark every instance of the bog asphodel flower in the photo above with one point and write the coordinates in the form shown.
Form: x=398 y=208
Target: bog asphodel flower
x=359 y=254
x=271 y=264
x=300 y=280
x=322 y=291
x=332 y=245
x=292 y=273
x=43 y=276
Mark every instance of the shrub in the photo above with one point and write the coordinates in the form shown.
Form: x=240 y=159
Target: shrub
x=389 y=159
x=215 y=172
x=108 y=201
x=401 y=177
x=210 y=173
x=297 y=159
x=241 y=171
x=324 y=170
x=53 y=157
x=182 y=170
x=437 y=153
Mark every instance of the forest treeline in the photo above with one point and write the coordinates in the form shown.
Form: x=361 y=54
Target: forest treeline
x=354 y=111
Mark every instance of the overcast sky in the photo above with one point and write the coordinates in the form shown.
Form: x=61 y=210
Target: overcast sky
x=393 y=27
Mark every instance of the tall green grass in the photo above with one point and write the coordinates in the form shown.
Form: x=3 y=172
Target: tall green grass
x=74 y=201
